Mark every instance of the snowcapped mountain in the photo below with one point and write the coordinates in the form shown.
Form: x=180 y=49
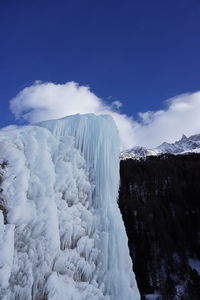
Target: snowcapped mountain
x=184 y=145
x=61 y=232
x=190 y=144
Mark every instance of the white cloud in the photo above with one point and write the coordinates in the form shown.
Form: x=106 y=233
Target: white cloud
x=182 y=115
x=117 y=104
x=43 y=101
x=148 y=117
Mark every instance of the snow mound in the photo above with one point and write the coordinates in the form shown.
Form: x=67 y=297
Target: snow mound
x=61 y=232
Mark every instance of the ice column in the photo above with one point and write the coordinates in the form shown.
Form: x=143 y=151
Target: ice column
x=96 y=137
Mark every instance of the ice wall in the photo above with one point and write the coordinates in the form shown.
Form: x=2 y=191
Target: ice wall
x=65 y=232
x=97 y=138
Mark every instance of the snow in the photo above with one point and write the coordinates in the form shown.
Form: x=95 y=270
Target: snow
x=183 y=146
x=153 y=297
x=6 y=251
x=64 y=237
x=194 y=264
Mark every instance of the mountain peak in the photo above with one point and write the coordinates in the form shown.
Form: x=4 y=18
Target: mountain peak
x=184 y=145
x=184 y=137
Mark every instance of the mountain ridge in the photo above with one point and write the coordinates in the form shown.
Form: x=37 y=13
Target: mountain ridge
x=184 y=145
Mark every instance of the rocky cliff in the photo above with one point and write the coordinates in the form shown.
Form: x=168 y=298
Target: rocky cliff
x=160 y=203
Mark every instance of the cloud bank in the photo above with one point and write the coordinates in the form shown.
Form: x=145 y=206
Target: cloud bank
x=43 y=101
x=182 y=115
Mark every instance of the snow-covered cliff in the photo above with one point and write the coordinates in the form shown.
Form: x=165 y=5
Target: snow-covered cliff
x=61 y=233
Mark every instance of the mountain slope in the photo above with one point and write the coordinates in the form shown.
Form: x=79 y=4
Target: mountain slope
x=159 y=201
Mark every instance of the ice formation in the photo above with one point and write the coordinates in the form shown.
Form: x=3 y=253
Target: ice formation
x=61 y=233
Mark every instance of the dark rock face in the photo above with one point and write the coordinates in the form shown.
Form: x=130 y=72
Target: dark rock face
x=2 y=204
x=160 y=203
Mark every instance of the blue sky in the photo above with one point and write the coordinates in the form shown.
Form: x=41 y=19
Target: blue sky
x=138 y=52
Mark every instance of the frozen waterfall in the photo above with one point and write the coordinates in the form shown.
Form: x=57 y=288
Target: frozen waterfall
x=61 y=232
